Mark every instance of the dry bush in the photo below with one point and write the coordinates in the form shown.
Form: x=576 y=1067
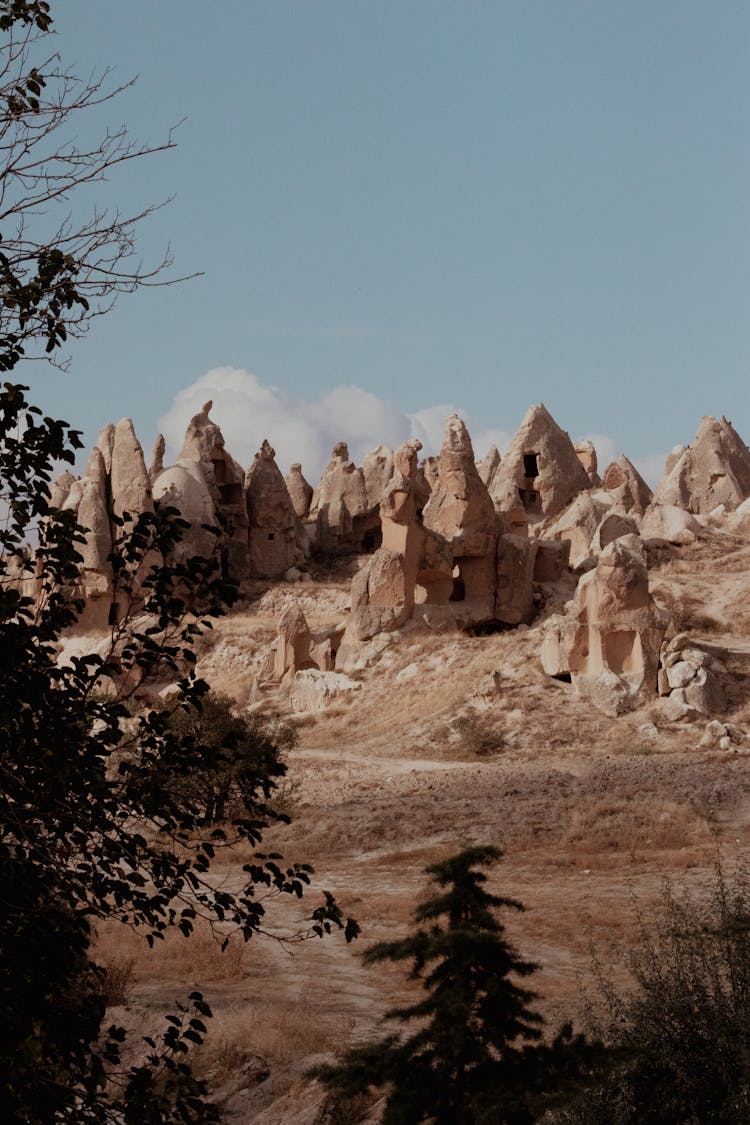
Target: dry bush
x=196 y=959
x=117 y=981
x=629 y=825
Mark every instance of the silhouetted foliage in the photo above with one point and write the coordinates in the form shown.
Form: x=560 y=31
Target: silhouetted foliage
x=681 y=1037
x=477 y=1056
x=92 y=825
x=237 y=756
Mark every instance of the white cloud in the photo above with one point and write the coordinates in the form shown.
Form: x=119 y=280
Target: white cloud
x=651 y=467
x=305 y=430
x=606 y=449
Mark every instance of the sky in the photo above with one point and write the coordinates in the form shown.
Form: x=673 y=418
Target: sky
x=403 y=208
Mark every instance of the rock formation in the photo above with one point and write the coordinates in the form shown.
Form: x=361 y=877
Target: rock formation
x=130 y=484
x=612 y=632
x=488 y=467
x=383 y=591
x=586 y=454
x=628 y=488
x=272 y=521
x=540 y=471
x=713 y=471
x=691 y=680
x=339 y=508
x=461 y=513
x=204 y=443
x=377 y=470
x=300 y=492
x=157 y=458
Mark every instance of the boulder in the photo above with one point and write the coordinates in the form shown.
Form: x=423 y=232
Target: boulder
x=665 y=521
x=614 y=525
x=578 y=525
x=313 y=690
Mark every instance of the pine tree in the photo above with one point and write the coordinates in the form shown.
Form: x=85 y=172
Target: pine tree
x=478 y=1055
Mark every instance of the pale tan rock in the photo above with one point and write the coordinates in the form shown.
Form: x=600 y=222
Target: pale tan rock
x=339 y=508
x=586 y=454
x=313 y=690
x=614 y=633
x=157 y=458
x=665 y=521
x=460 y=509
x=578 y=525
x=383 y=591
x=629 y=490
x=554 y=652
x=714 y=470
x=300 y=491
x=60 y=490
x=293 y=642
x=130 y=483
x=540 y=469
x=271 y=516
x=430 y=471
x=184 y=486
x=692 y=677
x=377 y=470
x=105 y=443
x=93 y=516
x=460 y=512
x=204 y=443
x=96 y=569
x=488 y=467
x=614 y=525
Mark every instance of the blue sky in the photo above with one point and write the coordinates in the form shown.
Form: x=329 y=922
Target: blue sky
x=477 y=204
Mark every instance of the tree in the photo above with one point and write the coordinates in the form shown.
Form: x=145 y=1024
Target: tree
x=58 y=273
x=680 y=1038
x=477 y=1055
x=237 y=749
x=92 y=825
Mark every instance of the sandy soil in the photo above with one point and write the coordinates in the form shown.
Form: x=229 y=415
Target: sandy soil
x=592 y=814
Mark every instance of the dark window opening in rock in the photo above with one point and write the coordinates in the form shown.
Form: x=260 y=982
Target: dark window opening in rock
x=487 y=628
x=220 y=470
x=531 y=464
x=371 y=541
x=114 y=614
x=529 y=498
x=271 y=535
x=224 y=562
x=230 y=493
x=458 y=593
x=563 y=677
